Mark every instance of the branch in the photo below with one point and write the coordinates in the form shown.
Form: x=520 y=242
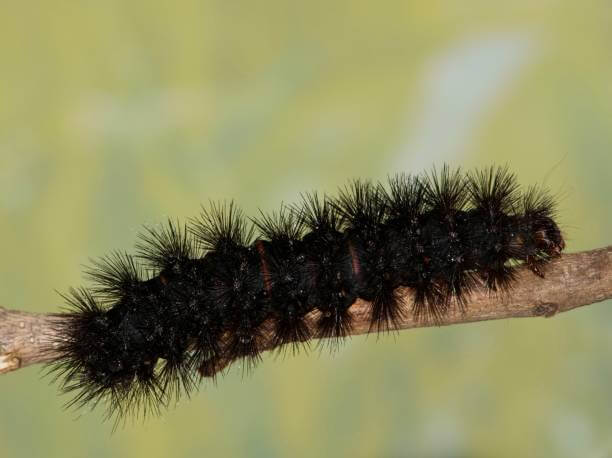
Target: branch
x=572 y=280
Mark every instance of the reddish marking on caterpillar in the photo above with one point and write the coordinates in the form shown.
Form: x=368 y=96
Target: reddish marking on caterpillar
x=355 y=265
x=264 y=265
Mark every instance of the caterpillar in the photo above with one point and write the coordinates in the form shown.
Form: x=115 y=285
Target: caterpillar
x=198 y=295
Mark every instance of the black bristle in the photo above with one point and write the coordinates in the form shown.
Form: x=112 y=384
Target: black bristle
x=283 y=265
x=541 y=239
x=375 y=262
x=328 y=271
x=221 y=227
x=166 y=248
x=494 y=191
x=447 y=240
x=114 y=275
x=93 y=364
x=282 y=226
x=446 y=191
x=495 y=196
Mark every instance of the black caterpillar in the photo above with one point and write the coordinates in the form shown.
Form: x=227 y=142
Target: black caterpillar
x=209 y=292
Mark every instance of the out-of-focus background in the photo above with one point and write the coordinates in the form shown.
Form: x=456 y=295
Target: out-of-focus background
x=114 y=114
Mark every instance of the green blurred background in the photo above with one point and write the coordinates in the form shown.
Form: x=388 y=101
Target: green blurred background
x=114 y=114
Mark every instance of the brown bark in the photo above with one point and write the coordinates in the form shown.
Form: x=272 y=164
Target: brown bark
x=571 y=281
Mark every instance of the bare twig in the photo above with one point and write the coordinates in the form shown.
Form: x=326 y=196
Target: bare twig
x=572 y=280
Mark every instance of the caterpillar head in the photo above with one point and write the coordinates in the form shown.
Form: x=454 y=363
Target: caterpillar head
x=547 y=236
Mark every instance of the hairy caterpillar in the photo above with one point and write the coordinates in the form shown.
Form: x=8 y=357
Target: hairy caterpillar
x=208 y=291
